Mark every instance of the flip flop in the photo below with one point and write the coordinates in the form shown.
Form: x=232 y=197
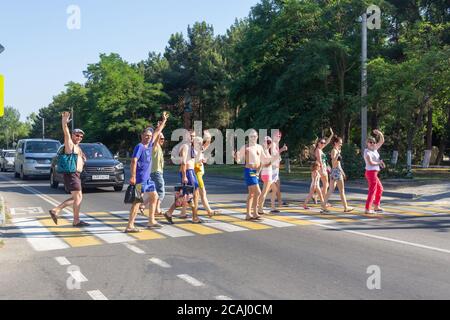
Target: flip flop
x=54 y=216
x=349 y=210
x=133 y=230
x=183 y=217
x=168 y=218
x=154 y=226
x=81 y=224
x=257 y=219
x=200 y=221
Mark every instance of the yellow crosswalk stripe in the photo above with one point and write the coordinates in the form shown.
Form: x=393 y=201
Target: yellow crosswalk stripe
x=398 y=211
x=239 y=222
x=195 y=228
x=74 y=237
x=120 y=224
x=292 y=220
x=318 y=215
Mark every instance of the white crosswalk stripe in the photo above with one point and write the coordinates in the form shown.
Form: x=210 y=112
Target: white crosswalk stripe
x=40 y=238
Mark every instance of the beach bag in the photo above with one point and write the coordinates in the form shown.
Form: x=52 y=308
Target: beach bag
x=183 y=194
x=67 y=163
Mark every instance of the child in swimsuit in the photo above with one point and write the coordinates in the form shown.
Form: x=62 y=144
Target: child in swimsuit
x=315 y=185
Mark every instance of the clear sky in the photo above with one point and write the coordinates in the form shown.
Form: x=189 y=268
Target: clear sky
x=42 y=53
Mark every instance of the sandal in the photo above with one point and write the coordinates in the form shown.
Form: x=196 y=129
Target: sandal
x=199 y=221
x=306 y=208
x=168 y=218
x=154 y=226
x=325 y=211
x=213 y=213
x=54 y=216
x=183 y=217
x=132 y=230
x=349 y=210
x=81 y=224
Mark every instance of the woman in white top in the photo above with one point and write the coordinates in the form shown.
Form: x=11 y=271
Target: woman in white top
x=373 y=166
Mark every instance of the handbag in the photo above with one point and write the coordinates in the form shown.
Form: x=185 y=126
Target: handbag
x=67 y=163
x=183 y=194
x=132 y=195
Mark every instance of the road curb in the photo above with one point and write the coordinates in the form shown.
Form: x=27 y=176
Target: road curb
x=3 y=212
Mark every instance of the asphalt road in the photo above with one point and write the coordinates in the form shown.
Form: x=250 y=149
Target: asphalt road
x=294 y=255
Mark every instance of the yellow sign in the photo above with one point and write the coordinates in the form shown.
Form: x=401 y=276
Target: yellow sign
x=2 y=95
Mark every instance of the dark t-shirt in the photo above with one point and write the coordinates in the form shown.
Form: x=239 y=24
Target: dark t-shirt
x=144 y=163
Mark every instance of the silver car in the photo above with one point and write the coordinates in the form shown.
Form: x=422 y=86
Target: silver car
x=34 y=157
x=7 y=160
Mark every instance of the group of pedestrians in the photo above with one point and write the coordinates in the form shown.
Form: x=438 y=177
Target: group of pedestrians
x=335 y=176
x=260 y=162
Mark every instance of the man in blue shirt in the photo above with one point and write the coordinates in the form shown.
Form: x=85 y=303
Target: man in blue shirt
x=141 y=164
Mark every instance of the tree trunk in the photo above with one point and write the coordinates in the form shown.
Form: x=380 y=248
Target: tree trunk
x=429 y=140
x=444 y=141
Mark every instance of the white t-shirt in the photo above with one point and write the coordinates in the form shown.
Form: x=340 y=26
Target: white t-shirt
x=375 y=157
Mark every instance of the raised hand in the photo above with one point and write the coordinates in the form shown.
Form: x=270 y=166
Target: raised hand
x=377 y=132
x=284 y=149
x=66 y=117
x=165 y=116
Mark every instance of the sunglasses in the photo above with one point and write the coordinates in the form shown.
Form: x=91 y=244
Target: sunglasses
x=162 y=139
x=269 y=142
x=322 y=142
x=79 y=136
x=371 y=142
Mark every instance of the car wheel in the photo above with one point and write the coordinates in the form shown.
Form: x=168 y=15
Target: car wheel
x=16 y=175
x=53 y=183
x=118 y=188
x=22 y=175
x=1 y=169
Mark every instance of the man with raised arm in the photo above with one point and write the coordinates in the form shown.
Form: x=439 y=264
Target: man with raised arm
x=72 y=181
x=141 y=164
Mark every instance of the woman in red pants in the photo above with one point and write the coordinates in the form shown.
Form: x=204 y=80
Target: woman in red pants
x=373 y=166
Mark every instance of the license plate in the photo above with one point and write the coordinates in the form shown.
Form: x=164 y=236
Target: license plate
x=100 y=177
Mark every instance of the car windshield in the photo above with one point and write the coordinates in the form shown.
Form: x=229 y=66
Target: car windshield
x=9 y=155
x=42 y=147
x=96 y=151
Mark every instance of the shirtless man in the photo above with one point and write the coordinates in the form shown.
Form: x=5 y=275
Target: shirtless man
x=254 y=156
x=72 y=181
x=187 y=174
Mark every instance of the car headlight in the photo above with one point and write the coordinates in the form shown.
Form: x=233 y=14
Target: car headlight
x=30 y=161
x=119 y=166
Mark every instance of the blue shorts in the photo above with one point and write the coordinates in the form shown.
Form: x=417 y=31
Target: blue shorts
x=251 y=177
x=146 y=186
x=192 y=179
x=158 y=178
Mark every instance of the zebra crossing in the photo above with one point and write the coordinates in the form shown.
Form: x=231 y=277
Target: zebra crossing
x=108 y=227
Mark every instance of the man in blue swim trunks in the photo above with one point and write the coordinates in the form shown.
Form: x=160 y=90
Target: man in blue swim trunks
x=188 y=156
x=254 y=155
x=141 y=164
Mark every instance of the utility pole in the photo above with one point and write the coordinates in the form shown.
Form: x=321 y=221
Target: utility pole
x=371 y=20
x=43 y=128
x=73 y=117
